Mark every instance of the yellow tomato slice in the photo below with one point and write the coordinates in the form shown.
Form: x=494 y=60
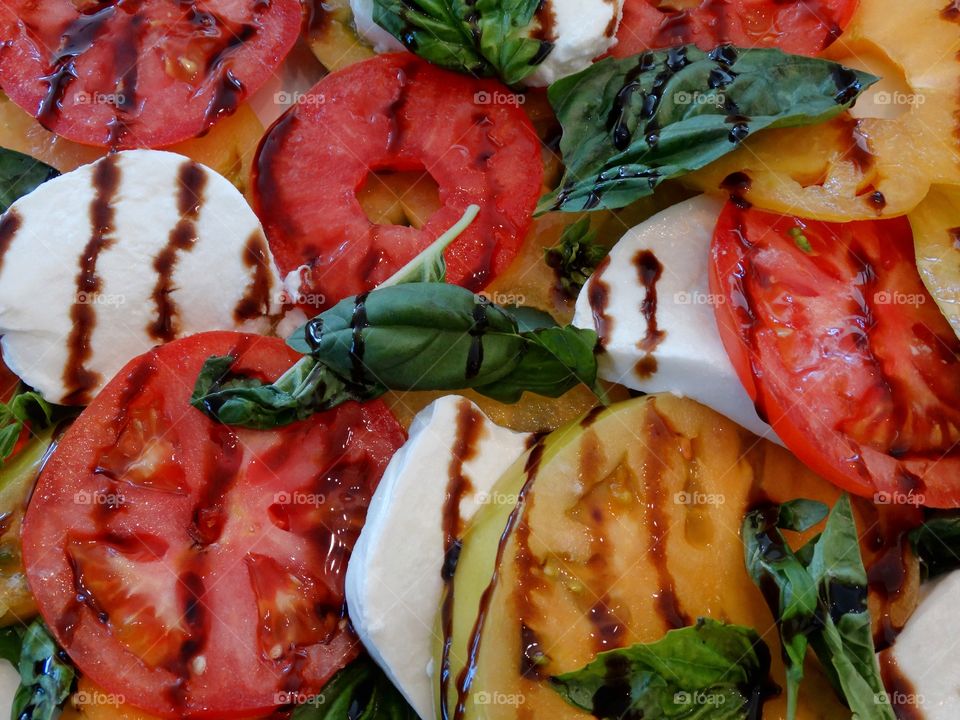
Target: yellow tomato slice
x=936 y=233
x=228 y=148
x=879 y=160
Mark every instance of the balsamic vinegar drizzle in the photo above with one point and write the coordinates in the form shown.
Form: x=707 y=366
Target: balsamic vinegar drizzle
x=358 y=346
x=10 y=223
x=469 y=425
x=464 y=679
x=599 y=298
x=78 y=380
x=649 y=272
x=480 y=325
x=191 y=182
x=256 y=300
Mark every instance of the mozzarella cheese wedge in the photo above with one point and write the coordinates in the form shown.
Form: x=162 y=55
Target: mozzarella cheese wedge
x=580 y=31
x=652 y=307
x=929 y=666
x=394 y=584
x=139 y=248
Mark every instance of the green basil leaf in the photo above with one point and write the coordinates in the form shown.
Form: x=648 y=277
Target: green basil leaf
x=629 y=124
x=46 y=676
x=360 y=691
x=430 y=266
x=555 y=362
x=709 y=670
x=306 y=388
x=433 y=29
x=25 y=407
x=19 y=175
x=11 y=640
x=530 y=319
x=937 y=544
x=479 y=37
x=819 y=598
x=575 y=256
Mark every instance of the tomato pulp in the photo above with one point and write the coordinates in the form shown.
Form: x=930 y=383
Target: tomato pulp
x=198 y=569
x=835 y=337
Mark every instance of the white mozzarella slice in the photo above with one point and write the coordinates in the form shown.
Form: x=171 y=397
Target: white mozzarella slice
x=580 y=31
x=394 y=584
x=220 y=274
x=689 y=360
x=921 y=656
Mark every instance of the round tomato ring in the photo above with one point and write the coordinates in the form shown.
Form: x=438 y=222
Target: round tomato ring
x=148 y=73
x=836 y=339
x=396 y=113
x=196 y=569
x=800 y=27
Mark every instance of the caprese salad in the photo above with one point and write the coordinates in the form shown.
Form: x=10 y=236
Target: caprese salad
x=479 y=360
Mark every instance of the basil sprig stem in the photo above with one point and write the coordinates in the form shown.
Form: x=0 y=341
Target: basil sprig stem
x=629 y=124
x=818 y=595
x=413 y=336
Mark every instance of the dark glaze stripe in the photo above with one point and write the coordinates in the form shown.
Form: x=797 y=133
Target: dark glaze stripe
x=951 y=13
x=77 y=39
x=191 y=182
x=649 y=272
x=190 y=592
x=668 y=604
x=10 y=223
x=903 y=696
x=78 y=380
x=358 y=345
x=479 y=329
x=469 y=424
x=256 y=301
x=465 y=678
x=599 y=298
x=529 y=581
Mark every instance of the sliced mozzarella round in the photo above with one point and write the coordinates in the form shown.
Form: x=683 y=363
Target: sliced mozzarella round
x=439 y=478
x=579 y=31
x=102 y=263
x=922 y=671
x=651 y=305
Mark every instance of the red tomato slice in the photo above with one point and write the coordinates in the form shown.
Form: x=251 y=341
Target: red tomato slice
x=802 y=27
x=196 y=569
x=396 y=113
x=835 y=337
x=139 y=73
